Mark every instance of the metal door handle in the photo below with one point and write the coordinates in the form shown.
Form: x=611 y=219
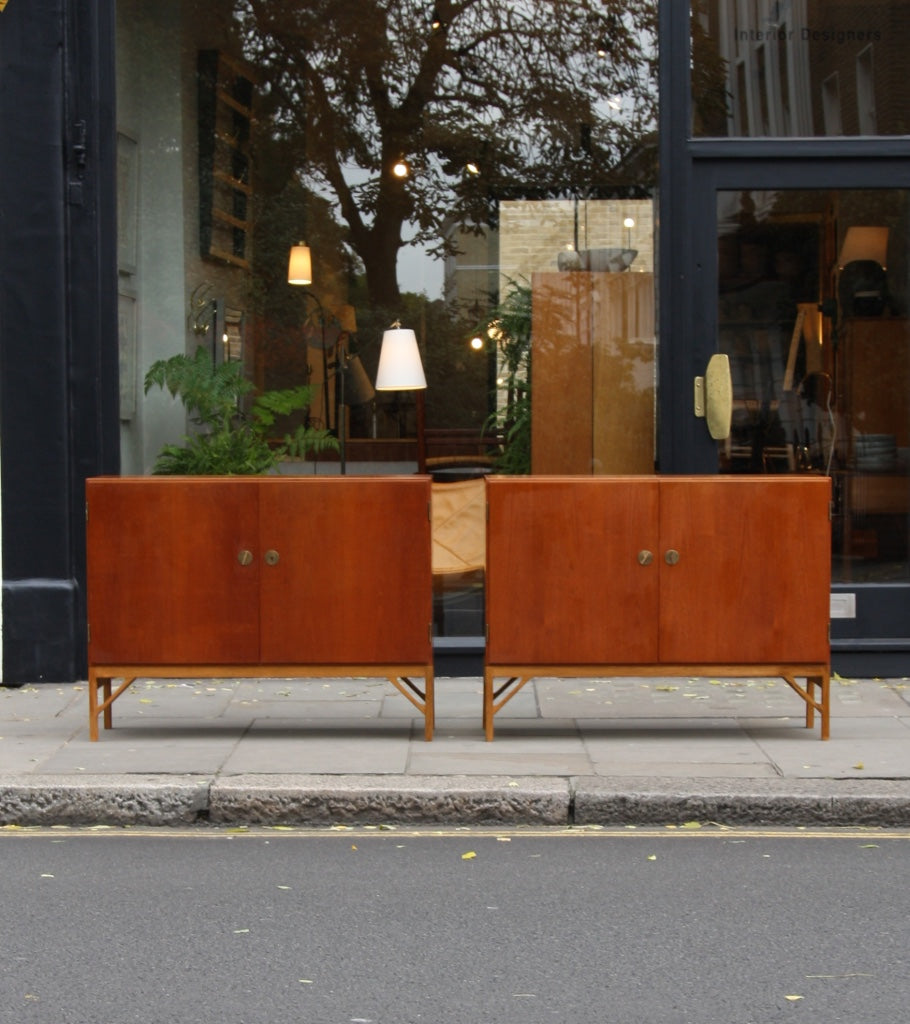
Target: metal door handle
x=271 y=557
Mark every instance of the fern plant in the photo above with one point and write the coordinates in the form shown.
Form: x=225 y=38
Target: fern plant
x=229 y=443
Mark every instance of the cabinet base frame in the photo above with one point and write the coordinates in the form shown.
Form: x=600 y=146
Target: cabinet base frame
x=816 y=693
x=101 y=678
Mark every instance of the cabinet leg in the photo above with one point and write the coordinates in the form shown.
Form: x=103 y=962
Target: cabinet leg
x=488 y=705
x=429 y=704
x=108 y=710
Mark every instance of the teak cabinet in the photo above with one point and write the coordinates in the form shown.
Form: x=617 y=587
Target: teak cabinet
x=593 y=349
x=259 y=576
x=658 y=576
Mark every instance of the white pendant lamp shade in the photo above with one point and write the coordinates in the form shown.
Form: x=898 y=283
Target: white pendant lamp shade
x=400 y=368
x=300 y=267
x=864 y=243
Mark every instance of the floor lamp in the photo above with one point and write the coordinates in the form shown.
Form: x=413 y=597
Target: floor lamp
x=300 y=272
x=354 y=387
x=400 y=369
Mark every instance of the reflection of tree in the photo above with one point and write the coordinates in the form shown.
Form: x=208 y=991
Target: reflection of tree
x=528 y=91
x=710 y=97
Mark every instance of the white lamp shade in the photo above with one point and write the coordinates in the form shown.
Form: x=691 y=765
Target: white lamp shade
x=300 y=268
x=400 y=368
x=864 y=243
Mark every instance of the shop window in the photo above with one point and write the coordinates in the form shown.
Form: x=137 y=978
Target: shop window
x=814 y=316
x=225 y=187
x=865 y=93
x=831 y=105
x=820 y=49
x=452 y=168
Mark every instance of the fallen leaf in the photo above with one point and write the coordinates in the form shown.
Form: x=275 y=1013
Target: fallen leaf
x=652 y=856
x=241 y=931
x=793 y=999
x=470 y=855
x=691 y=825
x=859 y=766
x=869 y=846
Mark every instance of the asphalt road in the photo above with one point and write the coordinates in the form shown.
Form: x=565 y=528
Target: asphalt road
x=656 y=926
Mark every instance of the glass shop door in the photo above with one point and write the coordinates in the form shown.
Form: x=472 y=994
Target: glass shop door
x=794 y=245
x=807 y=295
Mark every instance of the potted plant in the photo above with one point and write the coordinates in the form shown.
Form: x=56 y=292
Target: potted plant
x=509 y=326
x=229 y=441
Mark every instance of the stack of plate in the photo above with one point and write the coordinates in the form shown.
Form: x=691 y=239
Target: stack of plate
x=875 y=452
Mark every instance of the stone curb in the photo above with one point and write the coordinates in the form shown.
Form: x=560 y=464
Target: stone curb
x=370 y=799
x=103 y=799
x=321 y=800
x=786 y=802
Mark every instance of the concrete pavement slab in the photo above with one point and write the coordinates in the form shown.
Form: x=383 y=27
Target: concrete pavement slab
x=326 y=746
x=670 y=697
x=42 y=702
x=258 y=691
x=874 y=748
x=677 y=748
x=157 y=746
x=26 y=745
x=521 y=747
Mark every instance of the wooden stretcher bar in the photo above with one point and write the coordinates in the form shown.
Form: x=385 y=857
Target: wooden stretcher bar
x=816 y=692
x=102 y=693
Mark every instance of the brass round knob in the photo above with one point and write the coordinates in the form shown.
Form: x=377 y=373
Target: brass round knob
x=245 y=557
x=645 y=557
x=271 y=557
x=671 y=557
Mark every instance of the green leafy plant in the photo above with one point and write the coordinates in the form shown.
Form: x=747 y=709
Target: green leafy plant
x=509 y=327
x=229 y=442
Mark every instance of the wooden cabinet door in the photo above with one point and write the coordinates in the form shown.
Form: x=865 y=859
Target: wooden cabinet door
x=349 y=581
x=752 y=579
x=167 y=583
x=564 y=580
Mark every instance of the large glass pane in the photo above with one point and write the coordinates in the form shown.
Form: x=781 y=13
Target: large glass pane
x=799 y=67
x=482 y=173
x=813 y=307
